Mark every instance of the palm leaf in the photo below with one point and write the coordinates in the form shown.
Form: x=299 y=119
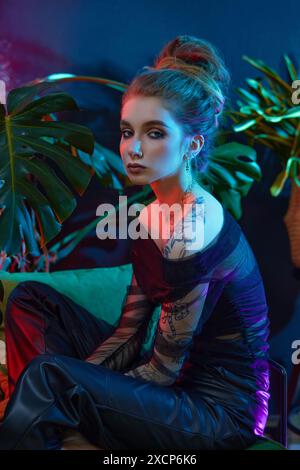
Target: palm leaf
x=270 y=118
x=279 y=183
x=263 y=94
x=291 y=68
x=260 y=65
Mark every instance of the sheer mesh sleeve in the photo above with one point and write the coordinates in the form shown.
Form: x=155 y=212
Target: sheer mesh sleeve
x=178 y=323
x=122 y=347
x=179 y=320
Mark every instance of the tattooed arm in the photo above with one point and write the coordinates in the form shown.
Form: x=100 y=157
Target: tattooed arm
x=177 y=325
x=179 y=320
x=121 y=348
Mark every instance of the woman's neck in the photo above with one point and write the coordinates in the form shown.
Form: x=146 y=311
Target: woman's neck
x=178 y=195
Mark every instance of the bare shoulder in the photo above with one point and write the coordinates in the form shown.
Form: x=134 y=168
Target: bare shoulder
x=214 y=218
x=210 y=216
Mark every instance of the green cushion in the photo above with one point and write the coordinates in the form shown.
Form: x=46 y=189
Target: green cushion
x=99 y=290
x=263 y=443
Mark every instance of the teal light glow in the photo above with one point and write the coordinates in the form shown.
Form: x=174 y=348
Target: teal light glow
x=58 y=76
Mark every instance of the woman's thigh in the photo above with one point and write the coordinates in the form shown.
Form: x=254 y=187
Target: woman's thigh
x=40 y=320
x=67 y=326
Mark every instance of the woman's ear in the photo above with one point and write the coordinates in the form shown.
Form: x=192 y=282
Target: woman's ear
x=196 y=145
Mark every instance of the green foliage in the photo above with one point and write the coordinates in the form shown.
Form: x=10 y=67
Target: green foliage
x=44 y=161
x=230 y=174
x=267 y=115
x=31 y=158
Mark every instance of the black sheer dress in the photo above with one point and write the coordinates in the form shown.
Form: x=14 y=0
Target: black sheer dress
x=203 y=383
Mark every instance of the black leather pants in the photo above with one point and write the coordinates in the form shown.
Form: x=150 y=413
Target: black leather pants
x=58 y=390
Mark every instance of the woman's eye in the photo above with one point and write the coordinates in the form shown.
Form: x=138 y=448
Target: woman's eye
x=123 y=133
x=158 y=134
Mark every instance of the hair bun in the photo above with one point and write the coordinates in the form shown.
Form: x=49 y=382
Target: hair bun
x=194 y=56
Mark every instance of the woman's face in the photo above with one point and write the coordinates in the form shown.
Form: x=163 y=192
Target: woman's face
x=161 y=144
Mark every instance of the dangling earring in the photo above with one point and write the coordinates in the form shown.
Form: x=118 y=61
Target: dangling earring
x=187 y=167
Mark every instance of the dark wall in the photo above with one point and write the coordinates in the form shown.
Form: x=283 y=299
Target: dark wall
x=115 y=39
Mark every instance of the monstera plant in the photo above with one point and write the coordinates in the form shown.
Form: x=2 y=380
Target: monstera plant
x=230 y=174
x=44 y=162
x=37 y=171
x=268 y=115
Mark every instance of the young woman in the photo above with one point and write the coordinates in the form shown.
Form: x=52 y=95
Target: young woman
x=204 y=384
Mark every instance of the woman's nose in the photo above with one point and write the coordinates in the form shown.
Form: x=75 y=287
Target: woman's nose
x=135 y=149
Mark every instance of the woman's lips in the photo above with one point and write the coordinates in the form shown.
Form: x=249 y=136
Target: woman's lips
x=135 y=169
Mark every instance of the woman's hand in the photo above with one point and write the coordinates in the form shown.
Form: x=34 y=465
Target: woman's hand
x=74 y=440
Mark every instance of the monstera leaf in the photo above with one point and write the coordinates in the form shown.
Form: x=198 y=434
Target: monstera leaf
x=230 y=174
x=108 y=167
x=36 y=172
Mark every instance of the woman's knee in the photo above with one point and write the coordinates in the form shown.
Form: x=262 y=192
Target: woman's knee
x=22 y=294
x=23 y=288
x=42 y=360
x=43 y=366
